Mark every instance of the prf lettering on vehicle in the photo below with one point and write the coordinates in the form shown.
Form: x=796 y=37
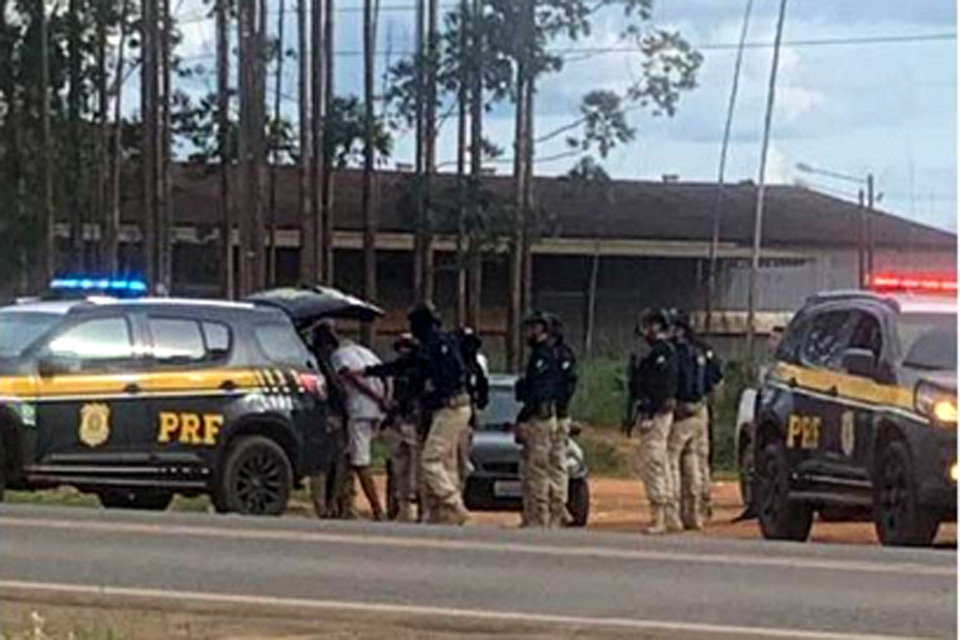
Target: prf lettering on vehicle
x=189 y=428
x=803 y=432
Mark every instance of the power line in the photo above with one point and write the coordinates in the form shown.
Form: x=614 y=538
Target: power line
x=718 y=46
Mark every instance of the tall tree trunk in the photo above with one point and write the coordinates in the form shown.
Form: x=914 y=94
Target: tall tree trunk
x=227 y=267
x=75 y=180
x=528 y=197
x=306 y=144
x=318 y=87
x=419 y=234
x=430 y=150
x=165 y=207
x=367 y=203
x=476 y=162
x=515 y=302
x=275 y=142
x=327 y=233
x=49 y=251
x=462 y=109
x=112 y=231
x=251 y=149
x=103 y=135
x=149 y=83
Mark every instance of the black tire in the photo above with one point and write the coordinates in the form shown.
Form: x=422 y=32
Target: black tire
x=780 y=518
x=128 y=499
x=745 y=470
x=578 y=502
x=899 y=517
x=257 y=478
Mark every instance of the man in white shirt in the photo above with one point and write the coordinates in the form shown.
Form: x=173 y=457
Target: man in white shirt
x=366 y=401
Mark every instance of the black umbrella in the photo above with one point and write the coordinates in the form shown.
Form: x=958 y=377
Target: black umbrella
x=308 y=305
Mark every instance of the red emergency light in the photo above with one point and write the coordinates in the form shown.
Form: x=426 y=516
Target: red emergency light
x=944 y=285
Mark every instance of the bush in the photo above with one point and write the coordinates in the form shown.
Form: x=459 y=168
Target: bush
x=602 y=397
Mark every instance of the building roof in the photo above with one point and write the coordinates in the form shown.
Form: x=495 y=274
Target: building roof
x=794 y=216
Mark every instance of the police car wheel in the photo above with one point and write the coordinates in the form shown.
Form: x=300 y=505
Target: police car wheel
x=257 y=477
x=780 y=518
x=126 y=499
x=578 y=502
x=899 y=517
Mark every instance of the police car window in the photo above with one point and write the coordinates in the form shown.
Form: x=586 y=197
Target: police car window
x=19 y=330
x=928 y=341
x=827 y=339
x=217 y=337
x=177 y=340
x=280 y=343
x=95 y=340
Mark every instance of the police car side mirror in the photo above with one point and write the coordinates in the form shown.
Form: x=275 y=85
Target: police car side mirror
x=575 y=430
x=860 y=362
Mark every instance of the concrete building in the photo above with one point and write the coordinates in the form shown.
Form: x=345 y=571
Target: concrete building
x=649 y=241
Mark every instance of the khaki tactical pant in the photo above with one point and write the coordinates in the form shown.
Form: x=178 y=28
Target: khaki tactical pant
x=464 y=466
x=404 y=443
x=703 y=455
x=559 y=479
x=684 y=456
x=439 y=463
x=654 y=466
x=538 y=435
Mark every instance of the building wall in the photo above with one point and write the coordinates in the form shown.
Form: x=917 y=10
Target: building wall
x=626 y=286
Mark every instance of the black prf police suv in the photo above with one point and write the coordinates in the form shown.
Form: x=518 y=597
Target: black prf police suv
x=860 y=412
x=138 y=400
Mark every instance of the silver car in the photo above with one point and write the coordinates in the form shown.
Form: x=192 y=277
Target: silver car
x=494 y=484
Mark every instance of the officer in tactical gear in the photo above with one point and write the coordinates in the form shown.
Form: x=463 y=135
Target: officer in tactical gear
x=403 y=426
x=446 y=398
x=700 y=372
x=653 y=391
x=559 y=480
x=538 y=390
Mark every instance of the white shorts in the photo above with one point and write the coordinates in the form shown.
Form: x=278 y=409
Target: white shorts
x=360 y=439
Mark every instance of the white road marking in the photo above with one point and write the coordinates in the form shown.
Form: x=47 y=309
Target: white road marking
x=25 y=589
x=442 y=544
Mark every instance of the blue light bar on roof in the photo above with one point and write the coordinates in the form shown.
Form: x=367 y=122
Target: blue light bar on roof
x=104 y=285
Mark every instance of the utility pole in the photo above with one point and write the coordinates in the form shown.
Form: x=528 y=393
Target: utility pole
x=861 y=243
x=721 y=177
x=761 y=187
x=317 y=90
x=275 y=143
x=871 y=239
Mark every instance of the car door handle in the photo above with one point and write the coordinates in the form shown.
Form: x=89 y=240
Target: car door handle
x=792 y=382
x=833 y=391
x=228 y=385
x=133 y=388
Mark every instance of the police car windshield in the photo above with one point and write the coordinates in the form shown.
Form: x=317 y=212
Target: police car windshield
x=20 y=329
x=929 y=341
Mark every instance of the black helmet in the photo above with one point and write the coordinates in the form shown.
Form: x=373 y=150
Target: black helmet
x=555 y=325
x=424 y=312
x=652 y=317
x=538 y=317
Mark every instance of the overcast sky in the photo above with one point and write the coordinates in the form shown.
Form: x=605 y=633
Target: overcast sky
x=888 y=108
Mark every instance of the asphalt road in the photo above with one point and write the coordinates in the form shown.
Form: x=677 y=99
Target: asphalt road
x=678 y=587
